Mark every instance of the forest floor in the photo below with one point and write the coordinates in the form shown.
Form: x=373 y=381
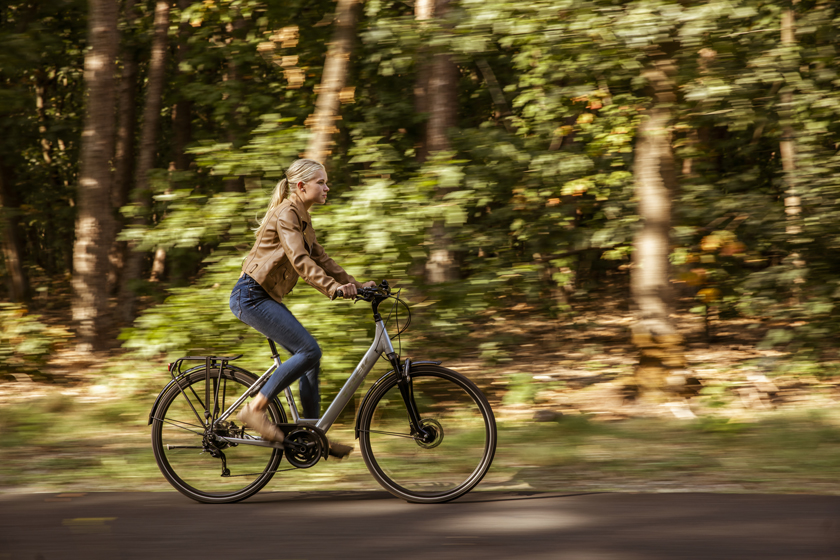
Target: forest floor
x=564 y=397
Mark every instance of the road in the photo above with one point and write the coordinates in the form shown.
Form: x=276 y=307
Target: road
x=368 y=525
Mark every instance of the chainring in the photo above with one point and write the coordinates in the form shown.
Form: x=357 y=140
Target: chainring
x=305 y=449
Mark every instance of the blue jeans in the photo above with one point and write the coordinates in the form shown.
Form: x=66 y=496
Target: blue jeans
x=253 y=306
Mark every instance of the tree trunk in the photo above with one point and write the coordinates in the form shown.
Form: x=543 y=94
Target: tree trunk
x=332 y=82
x=655 y=178
x=787 y=146
x=145 y=161
x=437 y=87
x=441 y=99
x=124 y=155
x=424 y=10
x=12 y=241
x=158 y=265
x=182 y=115
x=94 y=219
x=40 y=94
x=182 y=125
x=43 y=256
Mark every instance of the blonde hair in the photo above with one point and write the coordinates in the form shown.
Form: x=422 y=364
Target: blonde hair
x=301 y=171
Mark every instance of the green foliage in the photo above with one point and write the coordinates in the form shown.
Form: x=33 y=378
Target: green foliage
x=723 y=426
x=521 y=389
x=26 y=344
x=538 y=189
x=41 y=55
x=535 y=195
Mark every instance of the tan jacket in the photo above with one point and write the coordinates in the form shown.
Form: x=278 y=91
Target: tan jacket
x=287 y=249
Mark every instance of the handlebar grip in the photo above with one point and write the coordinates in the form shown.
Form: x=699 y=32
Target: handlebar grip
x=339 y=294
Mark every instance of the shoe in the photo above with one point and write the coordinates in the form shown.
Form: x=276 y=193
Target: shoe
x=259 y=421
x=339 y=450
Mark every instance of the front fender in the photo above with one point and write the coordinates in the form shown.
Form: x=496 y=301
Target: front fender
x=379 y=382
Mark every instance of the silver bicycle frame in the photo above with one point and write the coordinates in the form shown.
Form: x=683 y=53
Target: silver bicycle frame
x=381 y=345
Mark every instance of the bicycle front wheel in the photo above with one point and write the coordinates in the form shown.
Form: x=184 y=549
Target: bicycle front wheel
x=445 y=466
x=179 y=438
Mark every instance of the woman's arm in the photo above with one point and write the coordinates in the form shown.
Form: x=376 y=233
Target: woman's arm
x=290 y=232
x=331 y=267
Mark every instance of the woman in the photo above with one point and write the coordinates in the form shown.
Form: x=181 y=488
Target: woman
x=286 y=249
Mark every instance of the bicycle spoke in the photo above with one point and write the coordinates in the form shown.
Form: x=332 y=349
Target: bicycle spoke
x=177 y=422
x=186 y=398
x=255 y=474
x=176 y=436
x=407 y=436
x=456 y=450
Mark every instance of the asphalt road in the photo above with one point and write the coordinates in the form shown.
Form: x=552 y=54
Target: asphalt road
x=302 y=526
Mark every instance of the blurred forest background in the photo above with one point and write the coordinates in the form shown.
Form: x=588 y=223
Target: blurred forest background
x=604 y=202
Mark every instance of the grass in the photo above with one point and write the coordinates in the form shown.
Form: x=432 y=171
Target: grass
x=58 y=443
x=778 y=453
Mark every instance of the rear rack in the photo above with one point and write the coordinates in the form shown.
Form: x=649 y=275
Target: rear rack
x=210 y=361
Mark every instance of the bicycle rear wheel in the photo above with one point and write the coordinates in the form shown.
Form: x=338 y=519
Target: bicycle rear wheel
x=178 y=440
x=449 y=465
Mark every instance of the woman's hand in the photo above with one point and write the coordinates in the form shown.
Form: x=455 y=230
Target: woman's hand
x=349 y=290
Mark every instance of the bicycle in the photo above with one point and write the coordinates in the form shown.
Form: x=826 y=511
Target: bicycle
x=427 y=433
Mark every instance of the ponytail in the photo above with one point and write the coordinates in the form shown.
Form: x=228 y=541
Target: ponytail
x=279 y=193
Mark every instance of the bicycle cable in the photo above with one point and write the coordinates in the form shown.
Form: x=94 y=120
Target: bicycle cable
x=395 y=311
x=396 y=307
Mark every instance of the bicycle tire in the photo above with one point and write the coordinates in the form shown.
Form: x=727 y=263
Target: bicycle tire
x=177 y=436
x=444 y=469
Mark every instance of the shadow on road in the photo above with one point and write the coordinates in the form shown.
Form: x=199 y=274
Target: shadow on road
x=373 y=525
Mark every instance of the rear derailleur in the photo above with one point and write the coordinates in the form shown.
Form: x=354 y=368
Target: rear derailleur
x=214 y=441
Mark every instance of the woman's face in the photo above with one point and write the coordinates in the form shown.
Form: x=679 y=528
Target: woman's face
x=315 y=190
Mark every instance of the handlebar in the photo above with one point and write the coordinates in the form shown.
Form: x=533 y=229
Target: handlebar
x=375 y=296
x=368 y=294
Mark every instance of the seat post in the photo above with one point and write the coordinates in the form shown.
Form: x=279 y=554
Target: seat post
x=273 y=346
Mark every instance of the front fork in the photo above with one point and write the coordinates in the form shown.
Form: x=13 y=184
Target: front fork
x=407 y=391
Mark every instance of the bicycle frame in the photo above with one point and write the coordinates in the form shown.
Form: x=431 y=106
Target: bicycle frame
x=381 y=345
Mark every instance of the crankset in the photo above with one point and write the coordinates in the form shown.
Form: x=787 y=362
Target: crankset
x=303 y=448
